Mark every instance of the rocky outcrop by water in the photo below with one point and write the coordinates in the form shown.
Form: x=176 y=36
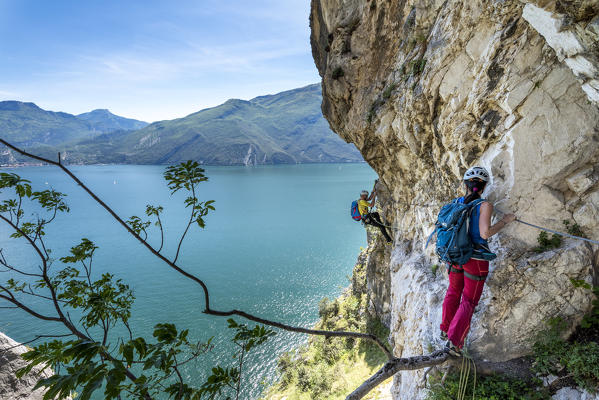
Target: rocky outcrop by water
x=10 y=361
x=427 y=88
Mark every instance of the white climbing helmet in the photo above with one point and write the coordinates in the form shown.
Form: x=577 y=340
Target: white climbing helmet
x=364 y=192
x=477 y=172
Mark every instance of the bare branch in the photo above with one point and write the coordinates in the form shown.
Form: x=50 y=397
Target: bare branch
x=395 y=365
x=46 y=278
x=30 y=292
x=5 y=263
x=10 y=298
x=318 y=332
x=425 y=375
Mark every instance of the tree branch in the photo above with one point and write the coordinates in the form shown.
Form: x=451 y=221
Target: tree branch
x=161 y=233
x=188 y=275
x=13 y=300
x=395 y=365
x=46 y=279
x=188 y=223
x=5 y=263
x=296 y=329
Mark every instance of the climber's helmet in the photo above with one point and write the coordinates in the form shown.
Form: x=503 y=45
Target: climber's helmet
x=476 y=179
x=364 y=194
x=477 y=173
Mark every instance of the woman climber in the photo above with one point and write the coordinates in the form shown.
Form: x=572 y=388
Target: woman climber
x=371 y=218
x=466 y=281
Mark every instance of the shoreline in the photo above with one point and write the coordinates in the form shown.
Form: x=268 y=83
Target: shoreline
x=39 y=164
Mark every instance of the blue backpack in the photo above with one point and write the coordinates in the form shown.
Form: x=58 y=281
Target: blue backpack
x=355 y=211
x=454 y=245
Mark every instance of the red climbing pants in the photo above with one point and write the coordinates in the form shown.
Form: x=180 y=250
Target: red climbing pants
x=461 y=298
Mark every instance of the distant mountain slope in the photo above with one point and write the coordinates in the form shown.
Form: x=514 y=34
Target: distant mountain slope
x=287 y=127
x=27 y=125
x=104 y=121
x=283 y=128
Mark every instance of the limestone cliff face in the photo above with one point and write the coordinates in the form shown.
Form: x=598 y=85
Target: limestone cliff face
x=427 y=88
x=10 y=361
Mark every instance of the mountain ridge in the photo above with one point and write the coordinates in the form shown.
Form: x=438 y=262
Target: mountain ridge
x=103 y=120
x=281 y=128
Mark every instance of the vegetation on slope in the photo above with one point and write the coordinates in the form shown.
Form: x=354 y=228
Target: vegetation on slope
x=284 y=128
x=104 y=121
x=46 y=132
x=27 y=125
x=332 y=368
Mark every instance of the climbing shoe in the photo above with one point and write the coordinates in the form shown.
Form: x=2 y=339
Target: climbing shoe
x=443 y=336
x=453 y=350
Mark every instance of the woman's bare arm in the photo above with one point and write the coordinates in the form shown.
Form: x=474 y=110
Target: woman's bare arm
x=372 y=198
x=484 y=222
x=372 y=193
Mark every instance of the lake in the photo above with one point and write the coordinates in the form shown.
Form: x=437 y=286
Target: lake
x=281 y=239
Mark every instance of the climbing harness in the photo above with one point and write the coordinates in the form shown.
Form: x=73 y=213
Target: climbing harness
x=551 y=230
x=452 y=268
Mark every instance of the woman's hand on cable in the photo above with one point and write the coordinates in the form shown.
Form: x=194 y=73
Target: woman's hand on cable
x=507 y=218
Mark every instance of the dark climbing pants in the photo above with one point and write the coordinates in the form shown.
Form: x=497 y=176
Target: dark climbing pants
x=461 y=299
x=374 y=219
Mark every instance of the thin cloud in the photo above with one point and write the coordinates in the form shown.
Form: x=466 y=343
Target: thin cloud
x=162 y=62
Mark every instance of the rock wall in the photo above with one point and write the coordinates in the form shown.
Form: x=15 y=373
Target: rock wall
x=10 y=361
x=427 y=88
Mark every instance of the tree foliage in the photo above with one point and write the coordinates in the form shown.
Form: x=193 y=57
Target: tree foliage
x=91 y=356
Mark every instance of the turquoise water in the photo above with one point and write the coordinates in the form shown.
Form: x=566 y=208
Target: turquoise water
x=280 y=239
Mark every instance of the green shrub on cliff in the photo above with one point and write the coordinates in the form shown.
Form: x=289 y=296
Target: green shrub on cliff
x=547 y=243
x=590 y=320
x=494 y=387
x=554 y=355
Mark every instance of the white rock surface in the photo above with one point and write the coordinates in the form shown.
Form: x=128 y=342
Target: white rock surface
x=568 y=45
x=11 y=361
x=574 y=394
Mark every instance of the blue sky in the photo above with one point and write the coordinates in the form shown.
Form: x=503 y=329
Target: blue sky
x=151 y=60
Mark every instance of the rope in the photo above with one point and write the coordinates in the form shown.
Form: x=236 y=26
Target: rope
x=464 y=375
x=557 y=232
x=551 y=230
x=564 y=234
x=474 y=385
x=465 y=369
